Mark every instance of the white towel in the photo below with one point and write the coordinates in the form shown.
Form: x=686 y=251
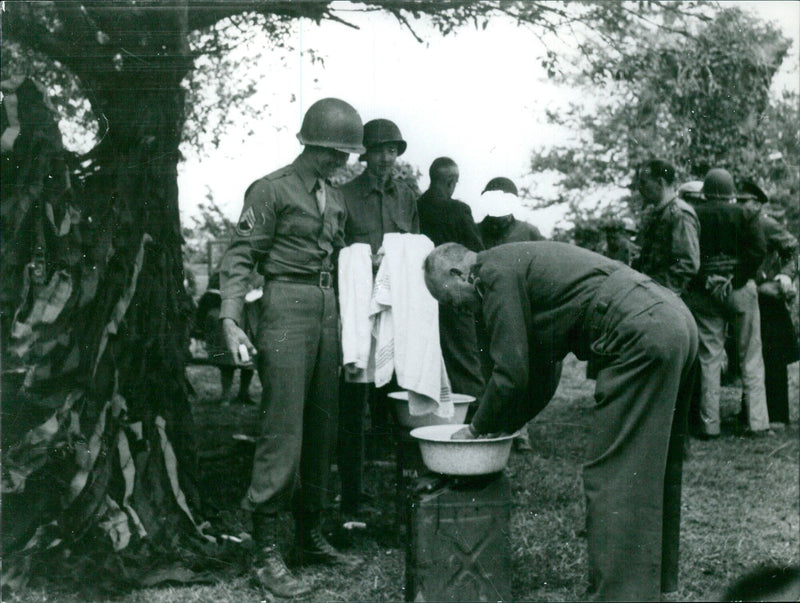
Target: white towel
x=406 y=326
x=355 y=293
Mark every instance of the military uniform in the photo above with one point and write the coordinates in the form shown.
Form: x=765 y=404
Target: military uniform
x=731 y=249
x=373 y=209
x=497 y=230
x=543 y=300
x=494 y=231
x=778 y=337
x=450 y=221
x=670 y=244
x=283 y=234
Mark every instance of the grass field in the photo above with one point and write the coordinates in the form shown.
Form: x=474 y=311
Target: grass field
x=740 y=507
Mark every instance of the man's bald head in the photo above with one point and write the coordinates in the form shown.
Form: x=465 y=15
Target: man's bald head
x=440 y=166
x=447 y=275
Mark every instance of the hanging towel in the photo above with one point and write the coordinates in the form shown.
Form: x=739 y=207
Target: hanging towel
x=406 y=326
x=355 y=292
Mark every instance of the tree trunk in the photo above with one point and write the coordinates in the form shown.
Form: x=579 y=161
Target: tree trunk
x=96 y=417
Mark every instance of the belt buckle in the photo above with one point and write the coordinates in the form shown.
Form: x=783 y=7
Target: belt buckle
x=325 y=280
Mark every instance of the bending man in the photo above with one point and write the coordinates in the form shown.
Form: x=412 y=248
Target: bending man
x=542 y=300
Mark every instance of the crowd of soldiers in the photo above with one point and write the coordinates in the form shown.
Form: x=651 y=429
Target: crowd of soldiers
x=732 y=263
x=511 y=307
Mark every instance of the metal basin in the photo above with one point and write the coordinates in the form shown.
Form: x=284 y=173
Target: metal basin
x=461 y=457
x=461 y=404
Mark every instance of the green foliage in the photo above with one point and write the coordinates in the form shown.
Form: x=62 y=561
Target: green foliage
x=216 y=101
x=210 y=225
x=77 y=122
x=699 y=99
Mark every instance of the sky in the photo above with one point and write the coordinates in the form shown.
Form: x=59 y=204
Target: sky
x=478 y=97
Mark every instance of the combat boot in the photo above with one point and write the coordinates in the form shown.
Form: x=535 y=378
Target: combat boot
x=270 y=571
x=311 y=546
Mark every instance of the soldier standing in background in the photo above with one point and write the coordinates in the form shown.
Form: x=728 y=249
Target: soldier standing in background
x=290 y=228
x=446 y=220
x=498 y=228
x=377 y=203
x=670 y=232
x=731 y=250
x=776 y=290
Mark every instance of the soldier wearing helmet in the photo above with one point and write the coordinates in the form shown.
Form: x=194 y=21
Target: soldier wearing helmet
x=732 y=248
x=291 y=225
x=500 y=225
x=377 y=203
x=669 y=237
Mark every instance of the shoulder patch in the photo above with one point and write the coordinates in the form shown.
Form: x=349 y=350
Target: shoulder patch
x=247 y=222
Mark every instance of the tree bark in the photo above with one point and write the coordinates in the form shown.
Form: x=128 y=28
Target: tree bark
x=97 y=423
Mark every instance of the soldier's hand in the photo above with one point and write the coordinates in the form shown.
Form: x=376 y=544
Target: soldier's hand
x=238 y=344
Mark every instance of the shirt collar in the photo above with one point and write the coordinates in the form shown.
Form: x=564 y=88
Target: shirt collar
x=506 y=220
x=373 y=184
x=305 y=171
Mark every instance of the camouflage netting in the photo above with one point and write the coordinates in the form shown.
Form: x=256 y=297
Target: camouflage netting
x=99 y=465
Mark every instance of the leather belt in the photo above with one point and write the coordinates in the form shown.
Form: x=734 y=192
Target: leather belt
x=323 y=279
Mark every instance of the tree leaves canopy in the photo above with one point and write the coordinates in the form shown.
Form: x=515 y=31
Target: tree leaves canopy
x=699 y=99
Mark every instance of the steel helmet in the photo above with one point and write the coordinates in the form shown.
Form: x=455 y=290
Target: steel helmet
x=501 y=184
x=718 y=185
x=380 y=131
x=334 y=124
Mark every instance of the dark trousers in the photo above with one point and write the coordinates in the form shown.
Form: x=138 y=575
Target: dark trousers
x=352 y=414
x=779 y=348
x=644 y=341
x=298 y=363
x=354 y=400
x=459 y=342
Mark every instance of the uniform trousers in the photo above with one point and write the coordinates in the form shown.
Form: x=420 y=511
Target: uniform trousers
x=644 y=342
x=298 y=363
x=741 y=310
x=459 y=342
x=779 y=348
x=354 y=401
